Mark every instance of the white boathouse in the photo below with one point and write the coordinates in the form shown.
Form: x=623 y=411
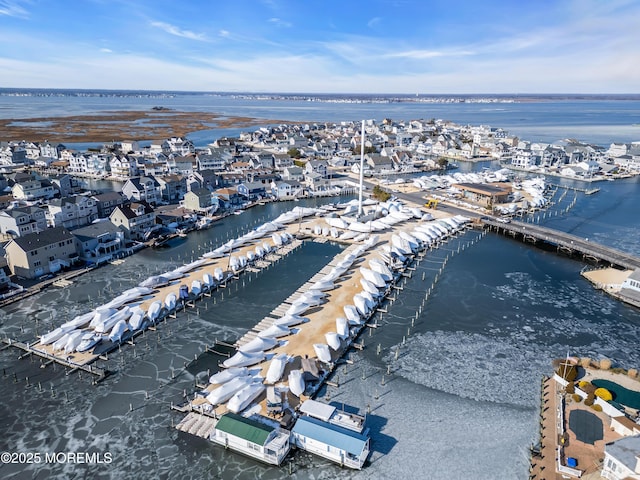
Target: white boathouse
x=250 y=437
x=331 y=433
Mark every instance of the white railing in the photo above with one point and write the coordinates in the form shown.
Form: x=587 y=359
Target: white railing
x=563 y=468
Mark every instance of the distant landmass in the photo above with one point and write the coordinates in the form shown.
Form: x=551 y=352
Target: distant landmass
x=324 y=97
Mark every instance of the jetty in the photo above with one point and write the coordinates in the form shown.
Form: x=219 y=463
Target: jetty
x=565 y=242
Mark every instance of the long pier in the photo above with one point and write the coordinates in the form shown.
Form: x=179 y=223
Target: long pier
x=566 y=242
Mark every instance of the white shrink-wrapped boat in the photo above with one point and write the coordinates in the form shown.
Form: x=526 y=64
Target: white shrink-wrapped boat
x=244 y=397
x=108 y=323
x=56 y=334
x=155 y=281
x=276 y=368
x=369 y=287
x=100 y=315
x=276 y=239
x=351 y=312
x=196 y=288
x=259 y=344
x=223 y=376
x=170 y=301
x=244 y=359
x=118 y=331
x=297 y=308
x=137 y=319
x=208 y=281
x=322 y=352
x=290 y=320
x=296 y=382
x=227 y=390
x=218 y=274
x=379 y=267
x=73 y=340
x=361 y=304
x=79 y=321
x=373 y=277
x=342 y=326
x=323 y=285
x=154 y=310
x=333 y=340
x=275 y=331
x=88 y=340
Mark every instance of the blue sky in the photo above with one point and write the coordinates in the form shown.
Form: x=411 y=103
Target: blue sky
x=373 y=46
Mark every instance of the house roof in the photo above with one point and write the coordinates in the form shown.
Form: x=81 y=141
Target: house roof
x=625 y=450
x=33 y=241
x=338 y=437
x=94 y=230
x=108 y=196
x=245 y=428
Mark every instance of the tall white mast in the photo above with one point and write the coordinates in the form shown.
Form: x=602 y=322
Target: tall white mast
x=361 y=171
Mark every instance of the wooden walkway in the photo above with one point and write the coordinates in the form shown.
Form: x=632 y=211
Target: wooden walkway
x=566 y=242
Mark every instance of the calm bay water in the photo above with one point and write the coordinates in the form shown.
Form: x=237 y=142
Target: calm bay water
x=462 y=397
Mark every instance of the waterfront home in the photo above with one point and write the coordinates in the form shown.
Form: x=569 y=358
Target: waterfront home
x=378 y=164
x=216 y=162
x=182 y=165
x=135 y=219
x=631 y=286
x=252 y=190
x=208 y=179
x=316 y=166
x=107 y=202
x=65 y=184
x=99 y=242
x=33 y=189
x=178 y=145
x=622 y=459
x=285 y=190
x=227 y=197
x=21 y=221
x=293 y=173
x=172 y=188
x=250 y=437
x=331 y=433
x=37 y=254
x=145 y=189
x=71 y=212
x=198 y=200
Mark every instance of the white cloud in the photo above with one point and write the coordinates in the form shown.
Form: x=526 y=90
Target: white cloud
x=12 y=8
x=424 y=54
x=374 y=22
x=224 y=33
x=178 y=32
x=106 y=50
x=278 y=22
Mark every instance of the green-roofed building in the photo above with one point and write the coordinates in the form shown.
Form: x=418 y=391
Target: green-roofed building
x=251 y=437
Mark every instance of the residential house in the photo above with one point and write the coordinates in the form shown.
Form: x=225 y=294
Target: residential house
x=182 y=165
x=216 y=163
x=231 y=179
x=316 y=182
x=123 y=166
x=22 y=221
x=293 y=173
x=286 y=189
x=198 y=200
x=252 y=190
x=34 y=189
x=107 y=202
x=622 y=459
x=208 y=179
x=41 y=253
x=172 y=187
x=99 y=242
x=227 y=197
x=178 y=145
x=64 y=184
x=135 y=219
x=142 y=189
x=262 y=160
x=282 y=161
x=261 y=176
x=71 y=212
x=378 y=164
x=316 y=166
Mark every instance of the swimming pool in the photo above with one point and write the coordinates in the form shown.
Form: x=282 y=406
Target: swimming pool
x=620 y=394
